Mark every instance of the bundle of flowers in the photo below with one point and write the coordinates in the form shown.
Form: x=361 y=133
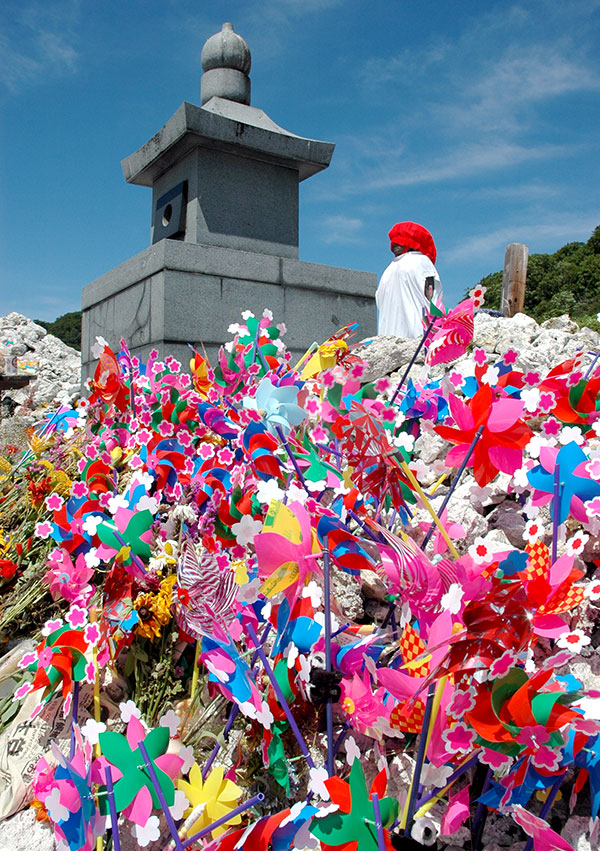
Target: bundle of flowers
x=199 y=535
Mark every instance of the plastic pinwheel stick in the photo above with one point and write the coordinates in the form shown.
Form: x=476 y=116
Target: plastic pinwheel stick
x=461 y=470
x=74 y=715
x=281 y=698
x=412 y=360
x=340 y=739
x=547 y=806
x=233 y=714
x=435 y=517
x=438 y=793
x=378 y=825
x=163 y=803
x=555 y=512
x=256 y=799
x=480 y=814
x=114 y=818
x=416 y=778
x=591 y=366
x=134 y=557
x=193 y=817
x=292 y=458
x=329 y=706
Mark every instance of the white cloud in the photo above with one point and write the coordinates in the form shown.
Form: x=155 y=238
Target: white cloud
x=340 y=229
x=566 y=229
x=37 y=42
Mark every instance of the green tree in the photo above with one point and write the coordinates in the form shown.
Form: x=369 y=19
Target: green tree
x=67 y=328
x=567 y=281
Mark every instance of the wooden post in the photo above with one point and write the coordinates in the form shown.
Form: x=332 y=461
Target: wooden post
x=514 y=278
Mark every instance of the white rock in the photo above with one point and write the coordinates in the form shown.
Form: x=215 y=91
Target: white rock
x=56 y=365
x=385 y=354
x=576 y=832
x=22 y=832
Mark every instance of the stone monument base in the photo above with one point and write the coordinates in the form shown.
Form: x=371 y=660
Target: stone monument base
x=175 y=293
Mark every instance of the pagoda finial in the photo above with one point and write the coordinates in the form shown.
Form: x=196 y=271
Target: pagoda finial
x=226 y=64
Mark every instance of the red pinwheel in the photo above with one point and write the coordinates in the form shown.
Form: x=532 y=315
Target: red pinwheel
x=59 y=658
x=503 y=437
x=108 y=383
x=550 y=589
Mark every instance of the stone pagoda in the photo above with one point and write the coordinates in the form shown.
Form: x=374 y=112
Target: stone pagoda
x=224 y=234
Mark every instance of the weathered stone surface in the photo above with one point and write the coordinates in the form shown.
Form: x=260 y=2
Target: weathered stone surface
x=56 y=365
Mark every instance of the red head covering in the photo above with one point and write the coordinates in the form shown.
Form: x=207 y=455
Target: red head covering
x=415 y=236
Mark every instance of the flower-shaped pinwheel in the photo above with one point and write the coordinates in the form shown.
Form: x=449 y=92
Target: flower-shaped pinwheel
x=575 y=485
x=219 y=794
x=521 y=714
x=286 y=550
x=59 y=658
x=352 y=827
x=68 y=580
x=503 y=434
x=134 y=790
x=277 y=406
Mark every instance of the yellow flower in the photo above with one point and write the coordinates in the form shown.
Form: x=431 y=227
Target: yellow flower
x=5 y=467
x=218 y=793
x=154 y=610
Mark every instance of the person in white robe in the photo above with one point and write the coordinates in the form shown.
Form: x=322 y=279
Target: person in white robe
x=409 y=283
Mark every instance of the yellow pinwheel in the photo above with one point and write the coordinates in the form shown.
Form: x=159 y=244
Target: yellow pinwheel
x=218 y=793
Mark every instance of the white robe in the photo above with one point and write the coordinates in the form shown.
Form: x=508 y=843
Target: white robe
x=401 y=296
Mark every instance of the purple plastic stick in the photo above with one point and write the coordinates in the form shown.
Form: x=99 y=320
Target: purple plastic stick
x=458 y=773
x=74 y=716
x=280 y=697
x=256 y=799
x=555 y=512
x=292 y=459
x=553 y=792
x=114 y=818
x=461 y=469
x=134 y=557
x=412 y=360
x=163 y=803
x=378 y=825
x=591 y=367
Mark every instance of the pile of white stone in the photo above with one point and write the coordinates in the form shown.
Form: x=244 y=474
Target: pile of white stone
x=56 y=366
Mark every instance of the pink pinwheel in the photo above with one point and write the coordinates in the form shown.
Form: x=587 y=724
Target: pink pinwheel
x=68 y=580
x=544 y=838
x=453 y=333
x=455 y=532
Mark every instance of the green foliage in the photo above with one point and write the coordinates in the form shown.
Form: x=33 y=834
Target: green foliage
x=567 y=281
x=67 y=328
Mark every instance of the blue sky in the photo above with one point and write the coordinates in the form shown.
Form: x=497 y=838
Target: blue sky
x=478 y=119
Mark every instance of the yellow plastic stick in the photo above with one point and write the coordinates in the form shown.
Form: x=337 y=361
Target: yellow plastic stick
x=411 y=477
x=195 y=671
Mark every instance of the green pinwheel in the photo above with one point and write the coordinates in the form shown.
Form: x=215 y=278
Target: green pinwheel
x=134 y=789
x=352 y=827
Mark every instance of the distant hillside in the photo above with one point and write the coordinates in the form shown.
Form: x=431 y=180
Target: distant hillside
x=67 y=328
x=567 y=281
